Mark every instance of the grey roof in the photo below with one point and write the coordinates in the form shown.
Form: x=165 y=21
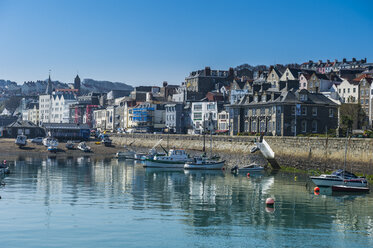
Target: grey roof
x=72 y=126
x=23 y=124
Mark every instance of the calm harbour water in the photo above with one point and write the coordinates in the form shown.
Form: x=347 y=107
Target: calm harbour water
x=109 y=203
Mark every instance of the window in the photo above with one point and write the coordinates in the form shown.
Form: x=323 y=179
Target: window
x=270 y=110
x=278 y=110
x=304 y=126
x=262 y=111
x=354 y=90
x=303 y=97
x=278 y=125
x=255 y=98
x=211 y=106
x=339 y=91
x=254 y=111
x=246 y=126
x=314 y=126
x=348 y=90
x=314 y=111
x=253 y=126
x=367 y=92
x=331 y=112
x=366 y=101
x=197 y=107
x=362 y=101
x=293 y=110
x=292 y=125
x=263 y=98
x=304 y=85
x=304 y=110
x=197 y=116
x=362 y=92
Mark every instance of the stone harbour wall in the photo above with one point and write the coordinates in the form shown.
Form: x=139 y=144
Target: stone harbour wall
x=300 y=152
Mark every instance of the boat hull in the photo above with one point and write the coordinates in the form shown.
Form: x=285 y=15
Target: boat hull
x=344 y=188
x=164 y=164
x=329 y=182
x=256 y=169
x=205 y=166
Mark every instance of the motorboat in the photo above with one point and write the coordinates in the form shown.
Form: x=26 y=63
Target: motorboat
x=69 y=145
x=21 y=140
x=127 y=153
x=339 y=177
x=176 y=158
x=83 y=147
x=52 y=145
x=204 y=163
x=253 y=167
x=345 y=188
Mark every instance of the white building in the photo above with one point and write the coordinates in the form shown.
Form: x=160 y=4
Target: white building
x=201 y=112
x=348 y=91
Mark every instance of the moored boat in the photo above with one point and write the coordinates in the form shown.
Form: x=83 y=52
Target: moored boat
x=52 y=145
x=83 y=147
x=339 y=177
x=176 y=158
x=203 y=163
x=345 y=188
x=127 y=153
x=70 y=145
x=251 y=168
x=21 y=140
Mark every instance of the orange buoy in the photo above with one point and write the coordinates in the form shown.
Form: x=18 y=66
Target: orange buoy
x=270 y=202
x=316 y=189
x=223 y=169
x=248 y=174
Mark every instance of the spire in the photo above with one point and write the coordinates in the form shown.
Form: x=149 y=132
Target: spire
x=49 y=88
x=77 y=82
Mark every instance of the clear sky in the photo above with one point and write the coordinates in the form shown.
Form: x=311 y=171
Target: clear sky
x=147 y=42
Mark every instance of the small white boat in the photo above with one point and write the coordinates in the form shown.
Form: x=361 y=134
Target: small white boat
x=106 y=141
x=47 y=140
x=339 y=177
x=127 y=153
x=21 y=140
x=176 y=158
x=251 y=168
x=203 y=163
x=83 y=147
x=140 y=156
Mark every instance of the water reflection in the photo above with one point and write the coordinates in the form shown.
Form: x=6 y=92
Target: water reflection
x=194 y=199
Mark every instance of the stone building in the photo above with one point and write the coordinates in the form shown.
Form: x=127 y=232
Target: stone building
x=283 y=113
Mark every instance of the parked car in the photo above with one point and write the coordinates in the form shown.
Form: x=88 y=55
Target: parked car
x=37 y=140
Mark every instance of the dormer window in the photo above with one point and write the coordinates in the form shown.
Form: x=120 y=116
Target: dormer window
x=303 y=97
x=263 y=98
x=255 y=98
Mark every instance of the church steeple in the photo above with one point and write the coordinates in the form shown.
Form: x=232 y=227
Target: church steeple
x=77 y=83
x=49 y=88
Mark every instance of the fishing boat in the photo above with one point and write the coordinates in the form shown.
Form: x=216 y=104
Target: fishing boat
x=339 y=177
x=204 y=163
x=176 y=158
x=69 y=145
x=83 y=147
x=345 y=188
x=21 y=140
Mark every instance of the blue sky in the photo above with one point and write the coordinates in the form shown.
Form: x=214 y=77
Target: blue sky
x=147 y=42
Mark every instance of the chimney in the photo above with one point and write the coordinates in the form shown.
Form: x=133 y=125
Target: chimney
x=271 y=68
x=353 y=59
x=320 y=61
x=231 y=71
x=149 y=96
x=344 y=60
x=311 y=62
x=328 y=61
x=207 y=71
x=336 y=61
x=365 y=60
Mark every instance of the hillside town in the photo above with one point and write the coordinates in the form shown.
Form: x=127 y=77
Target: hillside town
x=280 y=100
